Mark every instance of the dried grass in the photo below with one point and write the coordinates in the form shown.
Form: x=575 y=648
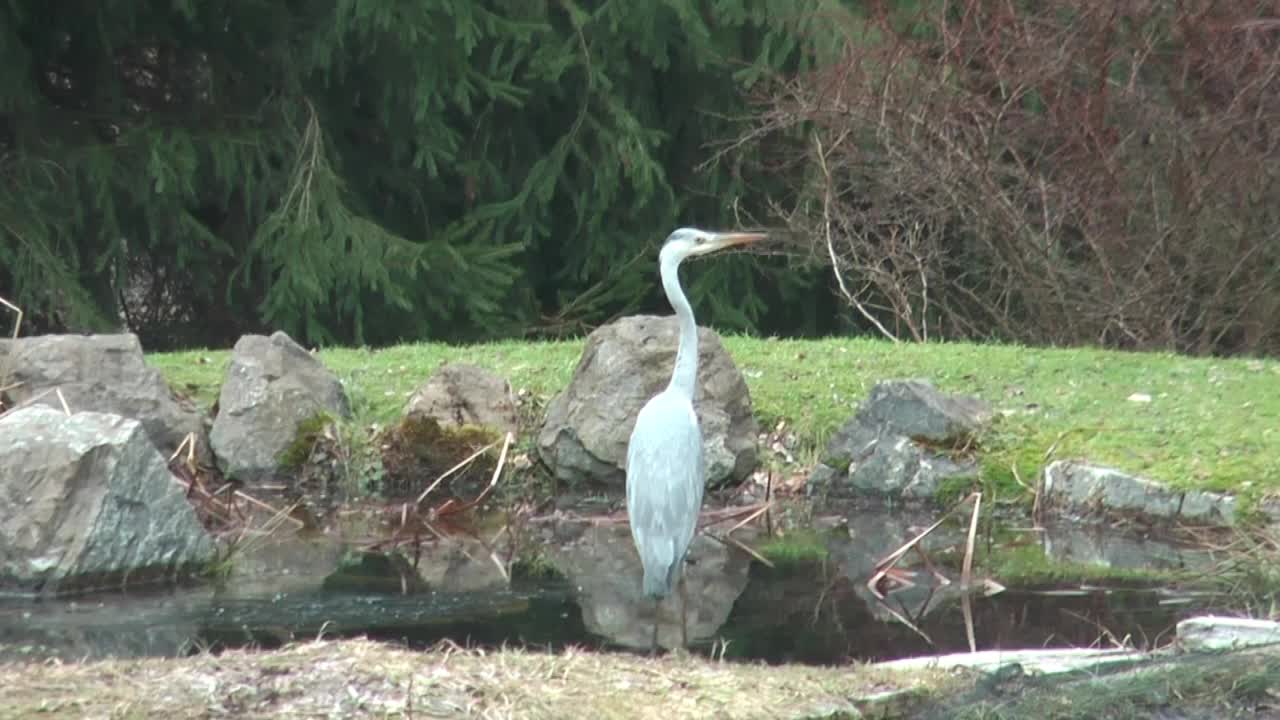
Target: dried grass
x=361 y=678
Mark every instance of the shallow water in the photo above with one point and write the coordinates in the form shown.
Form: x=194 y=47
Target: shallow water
x=814 y=611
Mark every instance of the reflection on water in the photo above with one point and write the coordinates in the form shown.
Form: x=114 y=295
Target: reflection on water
x=818 y=611
x=604 y=571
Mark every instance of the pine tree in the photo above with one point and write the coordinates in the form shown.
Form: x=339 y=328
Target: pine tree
x=362 y=171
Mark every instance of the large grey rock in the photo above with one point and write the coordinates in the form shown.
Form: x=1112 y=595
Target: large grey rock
x=1212 y=633
x=99 y=373
x=917 y=410
x=457 y=394
x=272 y=385
x=898 y=444
x=585 y=433
x=86 y=501
x=1080 y=489
x=605 y=571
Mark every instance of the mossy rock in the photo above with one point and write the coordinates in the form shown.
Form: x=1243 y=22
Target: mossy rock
x=418 y=450
x=309 y=432
x=535 y=568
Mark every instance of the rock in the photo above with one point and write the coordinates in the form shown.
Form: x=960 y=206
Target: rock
x=916 y=409
x=1081 y=489
x=1210 y=633
x=587 y=427
x=100 y=373
x=87 y=502
x=272 y=386
x=457 y=394
x=896 y=446
x=604 y=567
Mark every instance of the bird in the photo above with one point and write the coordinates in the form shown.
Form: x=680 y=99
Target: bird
x=665 y=468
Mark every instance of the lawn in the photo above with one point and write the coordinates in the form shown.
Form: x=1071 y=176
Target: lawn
x=1190 y=422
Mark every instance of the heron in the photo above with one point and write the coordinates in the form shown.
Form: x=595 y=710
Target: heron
x=665 y=466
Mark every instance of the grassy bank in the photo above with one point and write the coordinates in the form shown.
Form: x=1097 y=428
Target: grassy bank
x=360 y=678
x=1190 y=422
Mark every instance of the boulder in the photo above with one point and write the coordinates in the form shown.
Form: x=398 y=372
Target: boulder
x=457 y=394
x=587 y=427
x=916 y=409
x=272 y=385
x=87 y=502
x=99 y=373
x=1080 y=489
x=901 y=442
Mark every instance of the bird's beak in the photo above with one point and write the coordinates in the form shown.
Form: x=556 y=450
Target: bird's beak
x=724 y=240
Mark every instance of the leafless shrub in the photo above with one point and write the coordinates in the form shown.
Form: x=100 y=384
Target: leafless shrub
x=1060 y=172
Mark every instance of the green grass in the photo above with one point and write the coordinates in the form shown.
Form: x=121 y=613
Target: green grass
x=1211 y=423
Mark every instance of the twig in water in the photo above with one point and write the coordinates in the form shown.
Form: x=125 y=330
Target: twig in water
x=497 y=473
x=28 y=401
x=768 y=516
x=17 y=323
x=751 y=517
x=966 y=573
x=729 y=540
x=62 y=399
x=455 y=469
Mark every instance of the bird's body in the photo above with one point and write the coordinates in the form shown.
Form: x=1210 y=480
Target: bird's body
x=665 y=464
x=659 y=502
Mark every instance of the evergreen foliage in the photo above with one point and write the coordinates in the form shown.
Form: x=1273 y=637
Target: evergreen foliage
x=363 y=171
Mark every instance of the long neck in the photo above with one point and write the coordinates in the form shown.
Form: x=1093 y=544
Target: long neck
x=685 y=375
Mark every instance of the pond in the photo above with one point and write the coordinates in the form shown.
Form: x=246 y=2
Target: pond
x=814 y=606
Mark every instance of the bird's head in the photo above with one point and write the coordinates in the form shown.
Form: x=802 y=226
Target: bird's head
x=688 y=242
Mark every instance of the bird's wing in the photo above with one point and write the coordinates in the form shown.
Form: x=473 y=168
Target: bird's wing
x=665 y=471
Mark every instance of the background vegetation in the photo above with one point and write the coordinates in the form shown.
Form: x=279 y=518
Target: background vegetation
x=359 y=172
x=1062 y=172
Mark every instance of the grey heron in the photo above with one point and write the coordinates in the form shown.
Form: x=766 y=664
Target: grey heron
x=665 y=466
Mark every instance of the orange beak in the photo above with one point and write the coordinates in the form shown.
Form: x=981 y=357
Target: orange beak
x=725 y=240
